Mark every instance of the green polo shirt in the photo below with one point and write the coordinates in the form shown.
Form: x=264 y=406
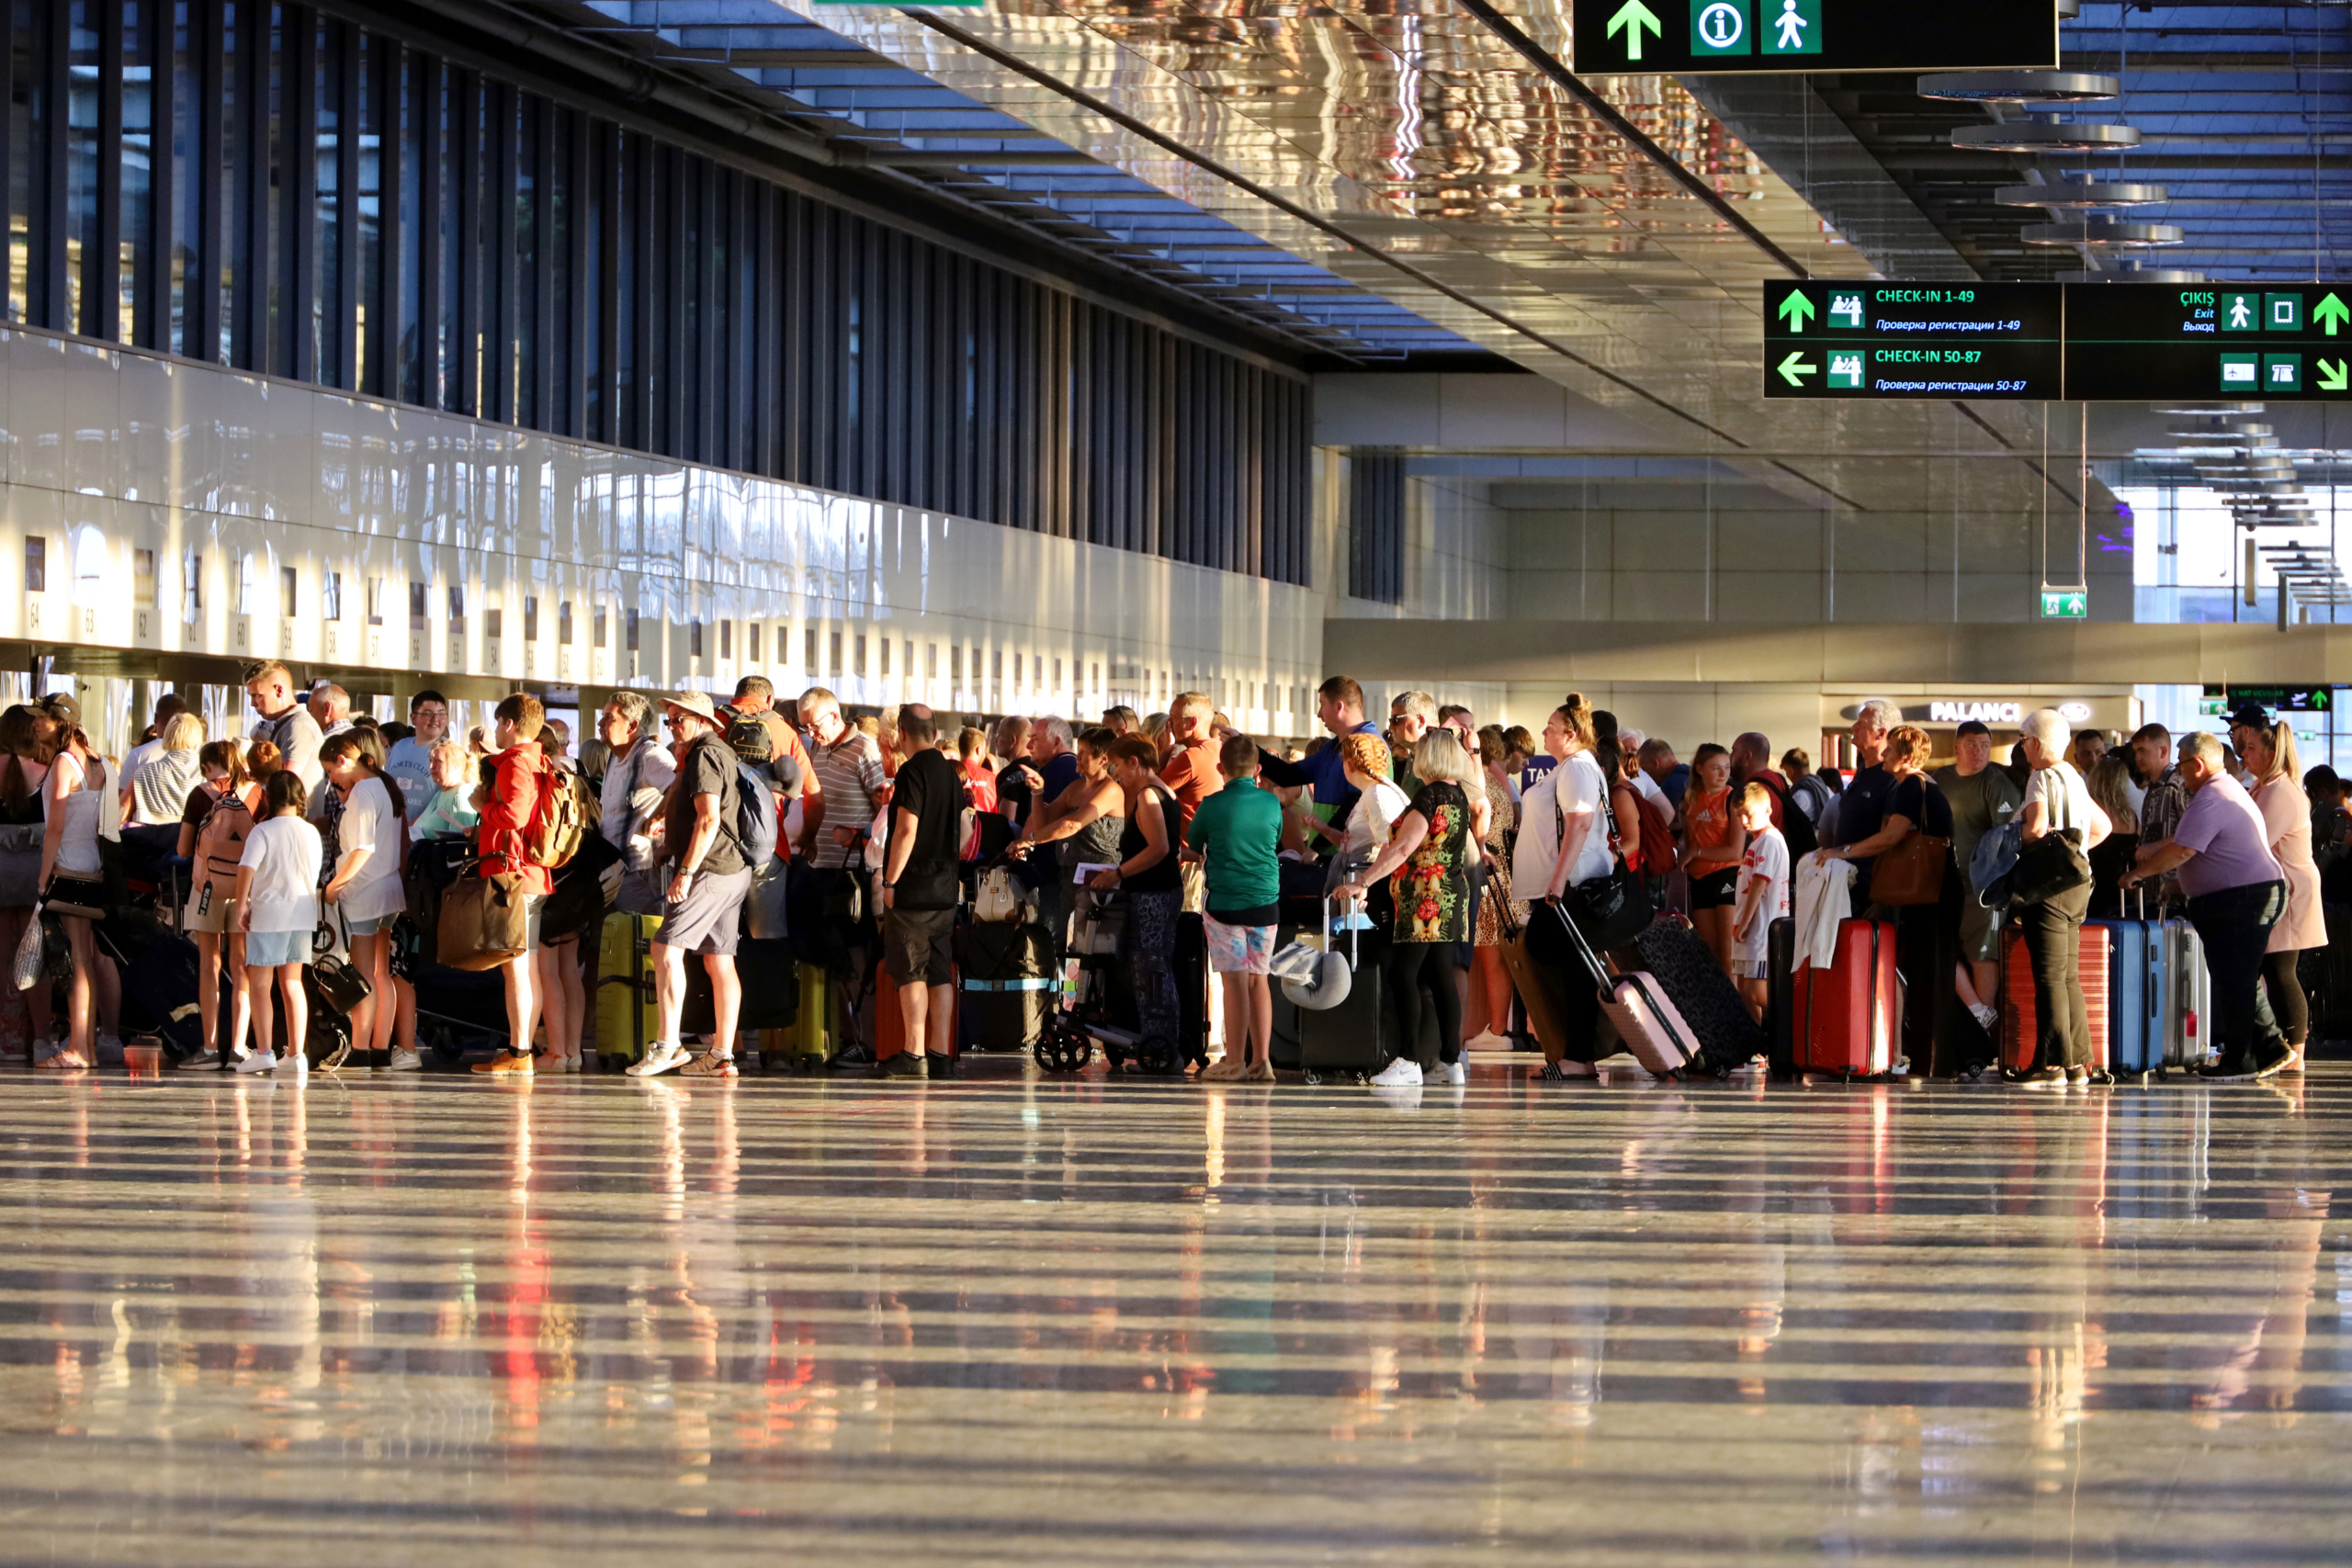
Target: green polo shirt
x=1239 y=829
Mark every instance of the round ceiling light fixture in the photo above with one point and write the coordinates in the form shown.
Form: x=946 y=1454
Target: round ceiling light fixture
x=2018 y=87
x=2079 y=193
x=2106 y=231
x=2039 y=136
x=2173 y=275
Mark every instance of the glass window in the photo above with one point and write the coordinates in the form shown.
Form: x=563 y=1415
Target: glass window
x=632 y=631
x=693 y=639
x=36 y=564
x=530 y=620
x=331 y=596
x=375 y=601
x=885 y=668
x=142 y=576
x=493 y=624
x=563 y=622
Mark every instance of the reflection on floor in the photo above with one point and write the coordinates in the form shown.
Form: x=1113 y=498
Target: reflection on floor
x=1017 y=1319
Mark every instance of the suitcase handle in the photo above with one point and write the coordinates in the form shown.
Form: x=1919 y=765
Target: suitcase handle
x=1330 y=902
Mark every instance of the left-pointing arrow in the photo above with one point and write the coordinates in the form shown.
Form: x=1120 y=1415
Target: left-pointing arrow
x=1793 y=370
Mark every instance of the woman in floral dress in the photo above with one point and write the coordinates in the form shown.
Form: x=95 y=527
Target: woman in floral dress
x=1489 y=980
x=1430 y=850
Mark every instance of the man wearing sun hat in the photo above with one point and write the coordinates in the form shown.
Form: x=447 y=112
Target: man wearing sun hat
x=702 y=904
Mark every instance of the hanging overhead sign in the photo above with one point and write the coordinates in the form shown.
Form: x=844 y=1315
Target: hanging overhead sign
x=2059 y=342
x=1691 y=37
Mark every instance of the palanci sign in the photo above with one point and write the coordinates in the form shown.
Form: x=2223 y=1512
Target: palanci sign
x=1961 y=710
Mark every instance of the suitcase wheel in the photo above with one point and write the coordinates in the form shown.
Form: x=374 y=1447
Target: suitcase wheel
x=1311 y=1077
x=1159 y=1057
x=1063 y=1048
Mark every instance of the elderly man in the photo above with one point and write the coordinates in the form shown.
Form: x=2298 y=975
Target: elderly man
x=846 y=764
x=285 y=722
x=2220 y=852
x=635 y=783
x=1339 y=706
x=702 y=906
x=330 y=706
x=1192 y=770
x=1861 y=810
x=1411 y=714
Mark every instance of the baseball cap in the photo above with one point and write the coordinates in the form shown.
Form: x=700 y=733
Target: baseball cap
x=1973 y=726
x=695 y=702
x=62 y=707
x=2250 y=716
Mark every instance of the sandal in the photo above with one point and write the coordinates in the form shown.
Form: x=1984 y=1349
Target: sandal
x=61 y=1060
x=709 y=1064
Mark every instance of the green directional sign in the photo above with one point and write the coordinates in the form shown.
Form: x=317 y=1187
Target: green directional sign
x=1794 y=369
x=1789 y=27
x=1871 y=340
x=2282 y=375
x=1631 y=18
x=1796 y=310
x=2065 y=604
x=1720 y=27
x=2332 y=375
x=1846 y=368
x=2331 y=313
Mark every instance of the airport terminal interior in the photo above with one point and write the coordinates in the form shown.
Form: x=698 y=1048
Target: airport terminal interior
x=1175 y=780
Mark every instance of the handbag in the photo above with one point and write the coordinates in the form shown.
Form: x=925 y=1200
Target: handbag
x=19 y=864
x=70 y=894
x=485 y=922
x=1612 y=909
x=1912 y=871
x=27 y=969
x=333 y=978
x=2053 y=864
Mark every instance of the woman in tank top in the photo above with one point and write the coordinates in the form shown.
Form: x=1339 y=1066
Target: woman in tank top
x=1147 y=872
x=78 y=789
x=21 y=777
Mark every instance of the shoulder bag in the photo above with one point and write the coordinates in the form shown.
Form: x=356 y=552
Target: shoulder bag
x=485 y=922
x=333 y=978
x=1611 y=909
x=2055 y=864
x=1912 y=871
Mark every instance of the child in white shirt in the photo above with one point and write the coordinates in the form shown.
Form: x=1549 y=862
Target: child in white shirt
x=278 y=908
x=1762 y=897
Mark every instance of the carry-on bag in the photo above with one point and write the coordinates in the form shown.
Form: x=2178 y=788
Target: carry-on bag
x=1356 y=1039
x=2135 y=992
x=1637 y=1007
x=1542 y=989
x=484 y=921
x=1780 y=994
x=628 y=1015
x=1845 y=1015
x=815 y=1036
x=2021 y=1025
x=1727 y=1033
x=1005 y=982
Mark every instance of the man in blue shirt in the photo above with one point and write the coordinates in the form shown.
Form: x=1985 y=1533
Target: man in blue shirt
x=1339 y=704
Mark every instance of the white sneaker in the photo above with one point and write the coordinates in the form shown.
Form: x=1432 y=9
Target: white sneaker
x=1399 y=1074
x=257 y=1062
x=404 y=1062
x=662 y=1057
x=1453 y=1072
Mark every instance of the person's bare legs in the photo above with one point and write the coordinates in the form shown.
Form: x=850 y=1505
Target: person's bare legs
x=258 y=980
x=1236 y=989
x=106 y=992
x=725 y=1000
x=1715 y=926
x=914 y=1017
x=373 y=954
x=555 y=1001
x=405 y=1013
x=522 y=1001
x=1258 y=997
x=298 y=1010
x=1491 y=979
x=669 y=990
x=939 y=1018
x=240 y=995
x=1752 y=991
x=81 y=996
x=566 y=987
x=208 y=985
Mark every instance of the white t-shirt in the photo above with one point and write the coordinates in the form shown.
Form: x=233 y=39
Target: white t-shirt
x=1766 y=861
x=369 y=823
x=136 y=758
x=1647 y=787
x=1575 y=786
x=649 y=765
x=2066 y=799
x=284 y=853
x=1369 y=823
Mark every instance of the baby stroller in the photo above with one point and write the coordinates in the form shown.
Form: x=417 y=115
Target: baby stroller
x=1098 y=998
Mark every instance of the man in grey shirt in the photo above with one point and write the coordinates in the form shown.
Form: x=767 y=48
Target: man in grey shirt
x=285 y=722
x=635 y=783
x=1981 y=798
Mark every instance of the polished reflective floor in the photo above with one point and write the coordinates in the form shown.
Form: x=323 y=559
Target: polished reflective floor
x=1024 y=1321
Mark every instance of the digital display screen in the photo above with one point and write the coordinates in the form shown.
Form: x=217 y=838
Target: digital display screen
x=2060 y=342
x=1695 y=36
x=1913 y=340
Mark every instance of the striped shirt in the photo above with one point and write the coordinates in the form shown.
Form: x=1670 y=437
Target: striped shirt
x=850 y=776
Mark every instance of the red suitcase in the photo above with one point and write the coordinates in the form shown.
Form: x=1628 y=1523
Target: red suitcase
x=1845 y=1017
x=2021 y=1023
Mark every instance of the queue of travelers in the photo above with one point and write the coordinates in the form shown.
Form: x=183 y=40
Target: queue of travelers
x=300 y=839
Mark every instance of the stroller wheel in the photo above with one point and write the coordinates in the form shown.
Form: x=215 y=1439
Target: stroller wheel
x=1159 y=1057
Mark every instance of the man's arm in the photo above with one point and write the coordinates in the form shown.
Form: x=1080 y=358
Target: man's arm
x=2152 y=861
x=1290 y=775
x=698 y=842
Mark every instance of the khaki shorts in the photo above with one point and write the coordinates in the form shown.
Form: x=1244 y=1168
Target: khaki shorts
x=1980 y=932
x=212 y=908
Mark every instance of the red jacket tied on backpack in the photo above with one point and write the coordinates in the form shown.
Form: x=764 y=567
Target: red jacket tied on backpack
x=516 y=780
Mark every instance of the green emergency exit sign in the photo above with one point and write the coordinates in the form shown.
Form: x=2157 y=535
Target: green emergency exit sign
x=2065 y=604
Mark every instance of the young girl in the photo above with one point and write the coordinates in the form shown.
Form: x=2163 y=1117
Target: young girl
x=1712 y=847
x=1763 y=894
x=366 y=887
x=278 y=908
x=211 y=919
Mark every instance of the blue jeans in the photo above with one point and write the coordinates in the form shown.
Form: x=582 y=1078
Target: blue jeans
x=2234 y=927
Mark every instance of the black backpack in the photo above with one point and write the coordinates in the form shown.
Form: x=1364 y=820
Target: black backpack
x=1795 y=826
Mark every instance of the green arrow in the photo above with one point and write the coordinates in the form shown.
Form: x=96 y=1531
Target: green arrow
x=2333 y=375
x=1631 y=18
x=1795 y=310
x=1795 y=366
x=2332 y=313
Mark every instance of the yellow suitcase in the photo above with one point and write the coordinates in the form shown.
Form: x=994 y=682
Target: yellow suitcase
x=628 y=1014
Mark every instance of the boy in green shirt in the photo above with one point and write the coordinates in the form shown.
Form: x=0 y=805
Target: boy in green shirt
x=1238 y=832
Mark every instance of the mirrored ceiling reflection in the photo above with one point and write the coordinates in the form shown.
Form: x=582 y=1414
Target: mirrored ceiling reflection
x=1087 y=1321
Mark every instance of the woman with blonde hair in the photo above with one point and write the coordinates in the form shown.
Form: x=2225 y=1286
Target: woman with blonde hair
x=21 y=778
x=1489 y=980
x=450 y=814
x=157 y=793
x=1431 y=850
x=2057 y=801
x=2269 y=754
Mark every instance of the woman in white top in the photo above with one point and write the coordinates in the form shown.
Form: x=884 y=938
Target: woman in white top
x=78 y=800
x=1563 y=841
x=156 y=795
x=365 y=890
x=2057 y=801
x=2286 y=825
x=278 y=908
x=1363 y=761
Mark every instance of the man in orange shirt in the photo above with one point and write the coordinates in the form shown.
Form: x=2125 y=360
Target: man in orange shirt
x=1190 y=770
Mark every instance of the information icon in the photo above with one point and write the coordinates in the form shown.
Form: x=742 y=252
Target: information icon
x=1719 y=26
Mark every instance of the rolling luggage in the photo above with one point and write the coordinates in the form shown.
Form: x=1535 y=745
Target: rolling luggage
x=814 y=1037
x=2021 y=1025
x=1636 y=1007
x=771 y=986
x=1358 y=1038
x=628 y=1015
x=1780 y=994
x=2187 y=994
x=1542 y=989
x=1844 y=1019
x=159 y=983
x=1005 y=985
x=1686 y=971
x=2136 y=980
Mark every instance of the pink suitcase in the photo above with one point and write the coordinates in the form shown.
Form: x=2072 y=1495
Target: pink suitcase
x=1635 y=1004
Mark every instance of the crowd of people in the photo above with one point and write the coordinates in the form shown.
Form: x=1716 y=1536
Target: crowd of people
x=299 y=843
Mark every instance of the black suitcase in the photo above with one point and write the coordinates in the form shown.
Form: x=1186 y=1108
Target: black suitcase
x=1192 y=968
x=1358 y=1038
x=159 y=997
x=1727 y=1033
x=1004 y=971
x=2326 y=972
x=770 y=976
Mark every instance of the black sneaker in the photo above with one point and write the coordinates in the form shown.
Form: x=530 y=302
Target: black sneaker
x=2041 y=1078
x=945 y=1067
x=2275 y=1064
x=2235 y=1070
x=905 y=1065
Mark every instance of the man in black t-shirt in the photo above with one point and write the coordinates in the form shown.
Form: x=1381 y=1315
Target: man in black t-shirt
x=919 y=891
x=702 y=906
x=1861 y=809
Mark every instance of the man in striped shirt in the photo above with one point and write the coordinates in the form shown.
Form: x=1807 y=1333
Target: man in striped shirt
x=850 y=781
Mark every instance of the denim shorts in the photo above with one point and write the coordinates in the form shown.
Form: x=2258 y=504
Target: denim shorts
x=267 y=950
x=372 y=926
